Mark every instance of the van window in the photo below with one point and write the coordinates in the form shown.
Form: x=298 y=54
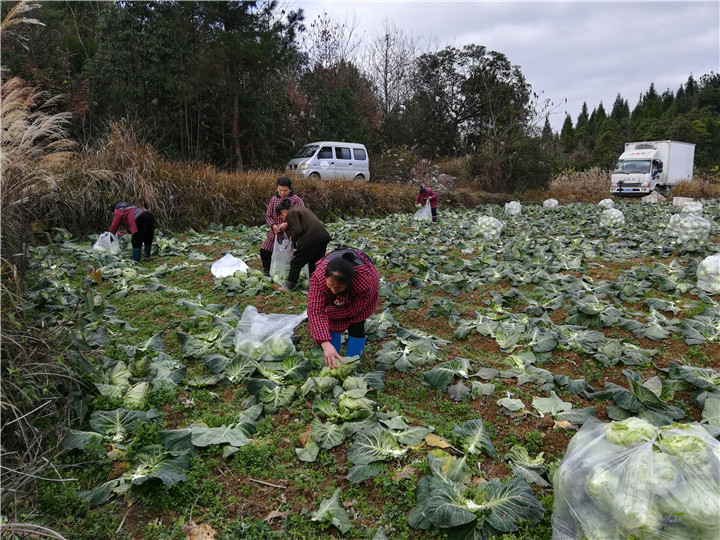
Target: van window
x=359 y=154
x=342 y=153
x=306 y=151
x=325 y=153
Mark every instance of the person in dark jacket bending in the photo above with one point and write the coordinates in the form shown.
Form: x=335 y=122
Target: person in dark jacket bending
x=141 y=224
x=309 y=237
x=284 y=191
x=344 y=292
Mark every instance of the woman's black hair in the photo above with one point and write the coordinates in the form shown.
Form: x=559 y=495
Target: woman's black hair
x=422 y=189
x=284 y=181
x=116 y=205
x=341 y=269
x=285 y=204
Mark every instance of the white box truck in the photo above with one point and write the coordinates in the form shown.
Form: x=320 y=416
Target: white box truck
x=652 y=166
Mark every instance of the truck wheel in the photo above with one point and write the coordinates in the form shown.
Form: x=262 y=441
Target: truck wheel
x=314 y=176
x=359 y=178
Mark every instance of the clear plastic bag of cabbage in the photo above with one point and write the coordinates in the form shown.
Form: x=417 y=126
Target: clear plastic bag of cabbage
x=708 y=274
x=607 y=204
x=261 y=336
x=612 y=218
x=550 y=204
x=513 y=208
x=693 y=207
x=631 y=479
x=688 y=227
x=282 y=254
x=489 y=227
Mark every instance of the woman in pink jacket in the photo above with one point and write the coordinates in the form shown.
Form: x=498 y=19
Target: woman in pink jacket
x=277 y=226
x=141 y=224
x=423 y=195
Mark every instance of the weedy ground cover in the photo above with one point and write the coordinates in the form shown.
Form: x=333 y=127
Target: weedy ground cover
x=483 y=359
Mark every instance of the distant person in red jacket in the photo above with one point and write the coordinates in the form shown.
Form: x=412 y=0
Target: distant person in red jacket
x=141 y=224
x=344 y=292
x=423 y=195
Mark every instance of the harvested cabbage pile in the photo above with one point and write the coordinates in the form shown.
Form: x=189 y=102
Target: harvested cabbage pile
x=550 y=204
x=513 y=208
x=693 y=207
x=708 y=274
x=612 y=218
x=489 y=226
x=687 y=227
x=265 y=336
x=607 y=203
x=631 y=479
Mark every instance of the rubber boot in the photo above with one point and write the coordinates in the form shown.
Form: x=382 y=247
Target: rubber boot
x=148 y=250
x=355 y=346
x=288 y=287
x=265 y=257
x=336 y=340
x=136 y=254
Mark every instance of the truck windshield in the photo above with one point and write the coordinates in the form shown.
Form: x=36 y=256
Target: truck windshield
x=306 y=151
x=634 y=166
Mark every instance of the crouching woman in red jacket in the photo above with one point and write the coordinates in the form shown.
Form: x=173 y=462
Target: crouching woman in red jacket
x=344 y=292
x=141 y=224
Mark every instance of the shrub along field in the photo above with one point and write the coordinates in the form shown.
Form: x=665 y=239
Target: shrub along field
x=484 y=358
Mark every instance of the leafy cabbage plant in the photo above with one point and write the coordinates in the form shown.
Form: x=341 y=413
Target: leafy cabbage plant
x=482 y=511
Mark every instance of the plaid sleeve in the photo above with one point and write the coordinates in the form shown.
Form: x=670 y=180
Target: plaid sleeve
x=297 y=200
x=319 y=297
x=270 y=216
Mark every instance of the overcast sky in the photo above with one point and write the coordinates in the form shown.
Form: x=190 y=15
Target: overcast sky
x=575 y=50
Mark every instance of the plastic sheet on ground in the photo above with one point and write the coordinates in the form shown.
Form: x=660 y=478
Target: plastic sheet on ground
x=227 y=266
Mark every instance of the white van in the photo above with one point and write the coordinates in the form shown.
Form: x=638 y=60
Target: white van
x=330 y=160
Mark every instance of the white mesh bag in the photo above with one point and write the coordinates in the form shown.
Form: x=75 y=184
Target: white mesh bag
x=551 y=204
x=612 y=218
x=606 y=203
x=513 y=208
x=693 y=207
x=489 y=226
x=708 y=274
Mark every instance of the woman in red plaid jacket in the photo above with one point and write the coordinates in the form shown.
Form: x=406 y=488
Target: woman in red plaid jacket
x=277 y=226
x=344 y=292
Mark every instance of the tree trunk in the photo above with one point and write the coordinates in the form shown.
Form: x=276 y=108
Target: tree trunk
x=236 y=120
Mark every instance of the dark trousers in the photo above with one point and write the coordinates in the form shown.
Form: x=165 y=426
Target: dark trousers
x=309 y=255
x=434 y=214
x=146 y=230
x=357 y=330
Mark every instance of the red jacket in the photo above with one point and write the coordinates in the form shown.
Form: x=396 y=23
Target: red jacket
x=126 y=216
x=429 y=194
x=330 y=312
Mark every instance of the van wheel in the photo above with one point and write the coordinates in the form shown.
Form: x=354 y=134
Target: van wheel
x=359 y=178
x=314 y=176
